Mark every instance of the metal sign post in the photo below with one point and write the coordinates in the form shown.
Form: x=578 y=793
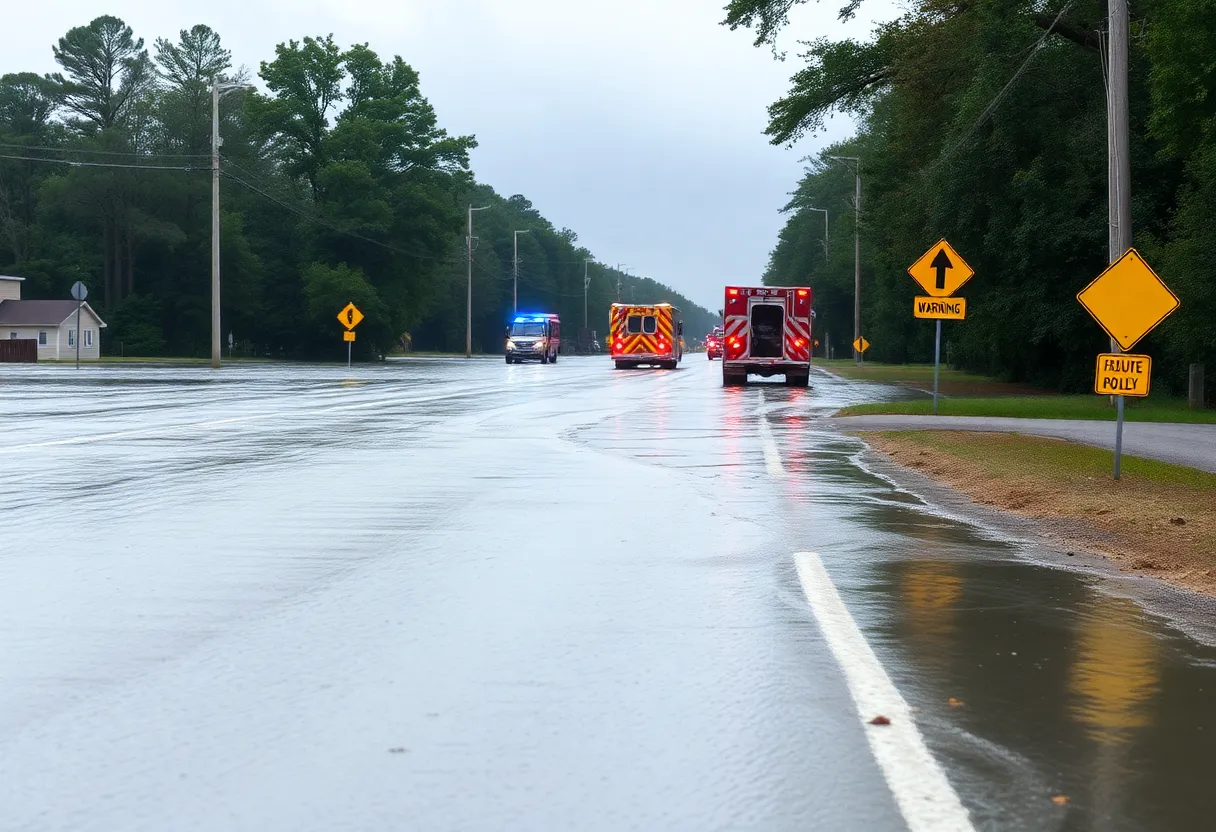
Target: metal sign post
x=937 y=362
x=79 y=293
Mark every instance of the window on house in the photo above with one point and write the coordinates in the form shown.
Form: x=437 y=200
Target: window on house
x=71 y=337
x=88 y=337
x=42 y=338
x=12 y=336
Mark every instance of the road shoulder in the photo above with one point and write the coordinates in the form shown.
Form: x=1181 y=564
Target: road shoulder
x=1159 y=521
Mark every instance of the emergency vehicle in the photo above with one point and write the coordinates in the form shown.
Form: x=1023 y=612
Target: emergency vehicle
x=767 y=332
x=534 y=338
x=713 y=343
x=645 y=334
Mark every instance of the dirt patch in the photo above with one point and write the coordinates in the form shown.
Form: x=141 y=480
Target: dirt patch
x=1158 y=520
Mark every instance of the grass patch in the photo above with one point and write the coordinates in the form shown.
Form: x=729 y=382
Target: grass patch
x=1041 y=407
x=893 y=373
x=1159 y=519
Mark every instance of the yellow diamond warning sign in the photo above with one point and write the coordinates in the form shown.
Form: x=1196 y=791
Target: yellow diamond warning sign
x=861 y=345
x=1128 y=299
x=946 y=309
x=941 y=271
x=1122 y=374
x=350 y=316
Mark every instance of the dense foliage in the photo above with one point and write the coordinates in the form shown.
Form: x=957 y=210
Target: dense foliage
x=339 y=185
x=985 y=122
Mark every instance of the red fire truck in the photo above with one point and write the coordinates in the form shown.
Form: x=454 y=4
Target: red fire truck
x=767 y=332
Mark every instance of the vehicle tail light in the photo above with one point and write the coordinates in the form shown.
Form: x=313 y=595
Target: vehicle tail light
x=800 y=342
x=803 y=293
x=734 y=293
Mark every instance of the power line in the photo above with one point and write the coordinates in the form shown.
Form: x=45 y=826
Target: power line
x=319 y=221
x=79 y=164
x=127 y=153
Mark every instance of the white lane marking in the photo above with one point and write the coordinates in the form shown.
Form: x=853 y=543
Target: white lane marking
x=772 y=456
x=923 y=794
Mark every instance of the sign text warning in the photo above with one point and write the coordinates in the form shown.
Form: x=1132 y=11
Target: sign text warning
x=1122 y=374
x=946 y=309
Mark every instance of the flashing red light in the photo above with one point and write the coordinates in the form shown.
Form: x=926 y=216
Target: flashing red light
x=619 y=345
x=799 y=342
x=732 y=292
x=803 y=293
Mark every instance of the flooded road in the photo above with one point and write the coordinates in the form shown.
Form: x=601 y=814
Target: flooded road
x=440 y=594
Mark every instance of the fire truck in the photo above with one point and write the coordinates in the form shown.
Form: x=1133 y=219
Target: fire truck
x=645 y=334
x=767 y=332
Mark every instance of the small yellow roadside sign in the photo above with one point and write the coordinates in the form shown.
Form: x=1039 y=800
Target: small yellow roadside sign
x=945 y=309
x=1128 y=299
x=349 y=335
x=941 y=271
x=1122 y=374
x=861 y=344
x=350 y=317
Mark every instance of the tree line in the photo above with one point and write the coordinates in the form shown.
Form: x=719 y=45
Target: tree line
x=338 y=185
x=984 y=122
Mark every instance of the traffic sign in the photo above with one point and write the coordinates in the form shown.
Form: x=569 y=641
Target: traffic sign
x=1128 y=299
x=861 y=344
x=941 y=271
x=1122 y=374
x=79 y=291
x=943 y=309
x=350 y=316
x=349 y=335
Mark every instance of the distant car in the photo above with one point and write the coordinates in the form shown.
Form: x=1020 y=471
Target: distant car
x=713 y=344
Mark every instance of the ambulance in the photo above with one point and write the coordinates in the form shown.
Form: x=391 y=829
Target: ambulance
x=534 y=338
x=767 y=332
x=649 y=334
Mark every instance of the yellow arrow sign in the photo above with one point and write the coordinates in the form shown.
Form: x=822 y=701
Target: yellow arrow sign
x=1128 y=299
x=941 y=271
x=350 y=316
x=1122 y=374
x=861 y=344
x=946 y=309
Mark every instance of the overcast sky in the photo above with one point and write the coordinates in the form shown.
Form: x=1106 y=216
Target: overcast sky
x=637 y=123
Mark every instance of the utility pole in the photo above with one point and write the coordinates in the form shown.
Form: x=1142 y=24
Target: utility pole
x=1119 y=168
x=468 y=315
x=856 y=253
x=618 y=280
x=218 y=91
x=586 y=285
x=515 y=291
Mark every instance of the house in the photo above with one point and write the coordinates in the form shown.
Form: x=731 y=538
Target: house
x=52 y=323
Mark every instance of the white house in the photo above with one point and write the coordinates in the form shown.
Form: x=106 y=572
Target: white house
x=52 y=323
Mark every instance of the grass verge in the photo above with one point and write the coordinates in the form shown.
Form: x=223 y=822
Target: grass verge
x=1158 y=520
x=1041 y=407
x=920 y=376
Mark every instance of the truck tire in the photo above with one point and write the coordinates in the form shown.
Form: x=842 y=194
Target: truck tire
x=553 y=358
x=797 y=379
x=544 y=358
x=668 y=365
x=710 y=356
x=621 y=365
x=509 y=359
x=734 y=379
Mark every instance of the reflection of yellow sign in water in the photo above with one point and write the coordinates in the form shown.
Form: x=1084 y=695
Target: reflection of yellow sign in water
x=930 y=591
x=1116 y=674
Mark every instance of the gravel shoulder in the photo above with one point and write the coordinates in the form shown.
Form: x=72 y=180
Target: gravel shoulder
x=1191 y=445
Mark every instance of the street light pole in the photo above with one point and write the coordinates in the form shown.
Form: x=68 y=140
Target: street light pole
x=824 y=211
x=468 y=315
x=218 y=91
x=856 y=254
x=515 y=262
x=618 y=280
x=586 y=285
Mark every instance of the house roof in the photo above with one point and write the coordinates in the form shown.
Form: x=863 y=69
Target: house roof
x=10 y=277
x=40 y=312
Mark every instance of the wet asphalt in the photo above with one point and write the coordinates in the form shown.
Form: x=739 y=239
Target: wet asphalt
x=449 y=595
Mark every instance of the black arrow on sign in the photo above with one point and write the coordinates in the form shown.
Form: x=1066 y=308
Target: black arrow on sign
x=350 y=313
x=941 y=262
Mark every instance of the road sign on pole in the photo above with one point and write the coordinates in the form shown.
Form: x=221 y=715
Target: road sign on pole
x=1122 y=374
x=1127 y=300
x=943 y=309
x=348 y=335
x=941 y=271
x=861 y=345
x=350 y=316
x=79 y=293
